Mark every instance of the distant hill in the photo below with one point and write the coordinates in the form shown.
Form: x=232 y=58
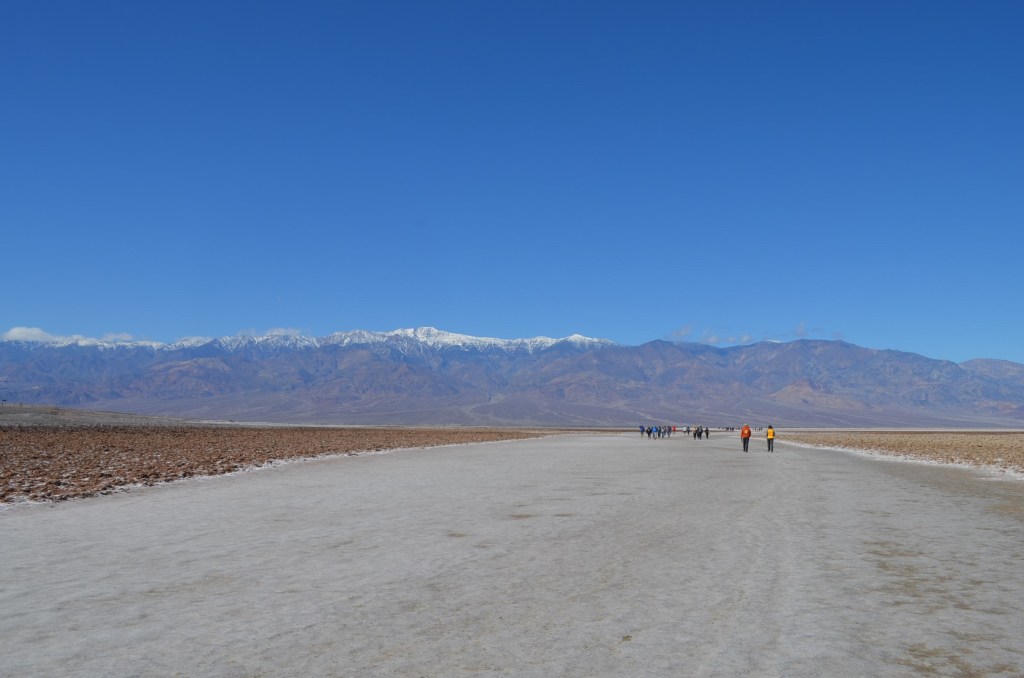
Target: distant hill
x=427 y=376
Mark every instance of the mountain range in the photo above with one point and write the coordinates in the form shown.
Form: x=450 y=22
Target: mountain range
x=430 y=377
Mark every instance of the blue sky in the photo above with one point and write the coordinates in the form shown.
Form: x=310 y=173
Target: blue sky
x=717 y=172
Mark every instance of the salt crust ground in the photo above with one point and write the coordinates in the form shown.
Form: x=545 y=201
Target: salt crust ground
x=49 y=453
x=1000 y=451
x=570 y=556
x=63 y=461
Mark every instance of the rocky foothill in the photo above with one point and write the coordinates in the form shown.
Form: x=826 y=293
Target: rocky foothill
x=59 y=454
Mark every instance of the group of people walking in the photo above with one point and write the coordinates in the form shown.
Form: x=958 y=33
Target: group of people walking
x=657 y=431
x=699 y=432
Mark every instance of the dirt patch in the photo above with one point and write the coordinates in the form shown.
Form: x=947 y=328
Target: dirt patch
x=55 y=462
x=1002 y=450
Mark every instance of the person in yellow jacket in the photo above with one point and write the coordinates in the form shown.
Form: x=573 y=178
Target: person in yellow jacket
x=771 y=438
x=745 y=436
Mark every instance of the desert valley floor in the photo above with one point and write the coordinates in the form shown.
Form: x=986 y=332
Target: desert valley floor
x=572 y=554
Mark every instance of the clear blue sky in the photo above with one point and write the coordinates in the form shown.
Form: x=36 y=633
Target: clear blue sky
x=724 y=172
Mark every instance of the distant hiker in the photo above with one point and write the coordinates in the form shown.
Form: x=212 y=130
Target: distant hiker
x=707 y=433
x=642 y=430
x=745 y=437
x=771 y=438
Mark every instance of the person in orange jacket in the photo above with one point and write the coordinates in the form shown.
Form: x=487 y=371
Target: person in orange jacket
x=745 y=436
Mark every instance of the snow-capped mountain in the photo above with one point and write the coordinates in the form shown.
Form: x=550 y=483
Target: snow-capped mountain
x=422 y=336
x=439 y=339
x=428 y=376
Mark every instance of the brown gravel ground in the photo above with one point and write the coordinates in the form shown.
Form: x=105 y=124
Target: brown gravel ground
x=56 y=461
x=1004 y=450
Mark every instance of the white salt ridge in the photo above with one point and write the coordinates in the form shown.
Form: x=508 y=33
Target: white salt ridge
x=997 y=472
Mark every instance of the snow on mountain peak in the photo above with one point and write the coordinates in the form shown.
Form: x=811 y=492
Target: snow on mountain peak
x=439 y=339
x=436 y=338
x=426 y=336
